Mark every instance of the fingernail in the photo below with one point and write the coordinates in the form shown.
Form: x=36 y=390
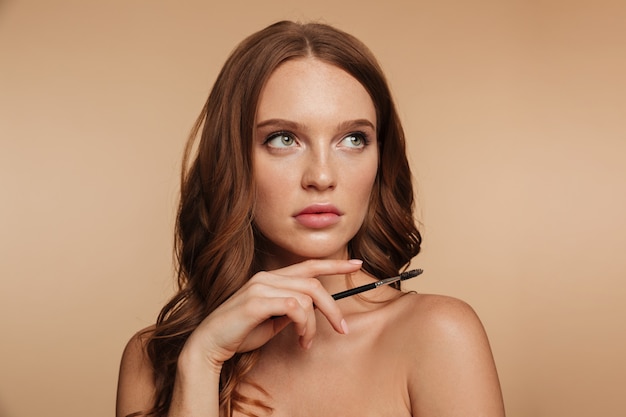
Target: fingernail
x=356 y=261
x=344 y=327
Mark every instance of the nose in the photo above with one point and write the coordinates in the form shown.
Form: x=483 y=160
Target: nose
x=320 y=171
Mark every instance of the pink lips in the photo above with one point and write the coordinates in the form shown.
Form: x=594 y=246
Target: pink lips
x=318 y=216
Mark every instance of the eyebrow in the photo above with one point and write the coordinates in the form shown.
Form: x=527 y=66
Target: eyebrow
x=348 y=124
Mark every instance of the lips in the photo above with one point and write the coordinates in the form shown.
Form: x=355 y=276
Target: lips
x=318 y=216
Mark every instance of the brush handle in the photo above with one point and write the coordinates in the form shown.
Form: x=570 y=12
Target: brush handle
x=353 y=291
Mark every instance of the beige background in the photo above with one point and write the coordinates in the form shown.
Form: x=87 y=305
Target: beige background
x=515 y=114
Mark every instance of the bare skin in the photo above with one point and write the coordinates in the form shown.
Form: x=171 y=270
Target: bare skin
x=404 y=355
x=414 y=355
x=315 y=149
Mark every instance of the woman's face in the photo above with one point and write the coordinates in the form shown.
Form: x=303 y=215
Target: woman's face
x=315 y=159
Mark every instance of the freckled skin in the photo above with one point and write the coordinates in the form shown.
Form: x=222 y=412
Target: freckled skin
x=319 y=107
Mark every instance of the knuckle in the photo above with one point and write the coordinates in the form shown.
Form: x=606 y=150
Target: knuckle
x=251 y=306
x=305 y=301
x=291 y=303
x=255 y=287
x=314 y=284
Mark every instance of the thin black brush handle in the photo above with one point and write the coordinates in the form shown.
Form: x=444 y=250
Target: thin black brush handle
x=353 y=291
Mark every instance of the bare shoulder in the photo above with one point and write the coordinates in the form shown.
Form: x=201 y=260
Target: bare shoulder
x=135 y=357
x=450 y=366
x=135 y=388
x=438 y=314
x=436 y=325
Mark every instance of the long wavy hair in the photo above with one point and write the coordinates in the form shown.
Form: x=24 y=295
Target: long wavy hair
x=216 y=246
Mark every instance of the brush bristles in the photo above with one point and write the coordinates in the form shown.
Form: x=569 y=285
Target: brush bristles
x=410 y=274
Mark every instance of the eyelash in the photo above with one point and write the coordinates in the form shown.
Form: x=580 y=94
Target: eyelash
x=275 y=135
x=360 y=135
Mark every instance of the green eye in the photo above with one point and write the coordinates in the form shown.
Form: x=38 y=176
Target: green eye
x=355 y=140
x=280 y=140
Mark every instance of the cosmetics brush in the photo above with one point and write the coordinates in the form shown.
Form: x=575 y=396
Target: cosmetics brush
x=353 y=291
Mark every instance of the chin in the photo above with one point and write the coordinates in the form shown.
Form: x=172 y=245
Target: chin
x=318 y=251
x=301 y=248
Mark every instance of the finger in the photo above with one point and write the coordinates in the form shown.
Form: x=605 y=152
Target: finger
x=261 y=329
x=298 y=306
x=298 y=277
x=306 y=327
x=318 y=267
x=302 y=317
x=310 y=293
x=323 y=301
x=286 y=287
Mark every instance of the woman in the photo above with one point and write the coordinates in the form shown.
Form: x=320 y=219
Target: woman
x=300 y=188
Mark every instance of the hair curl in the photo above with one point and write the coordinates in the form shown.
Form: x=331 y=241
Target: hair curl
x=216 y=245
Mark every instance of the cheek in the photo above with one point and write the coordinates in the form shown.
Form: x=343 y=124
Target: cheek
x=365 y=180
x=269 y=180
x=361 y=189
x=272 y=188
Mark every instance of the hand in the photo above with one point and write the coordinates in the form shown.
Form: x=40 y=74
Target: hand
x=266 y=304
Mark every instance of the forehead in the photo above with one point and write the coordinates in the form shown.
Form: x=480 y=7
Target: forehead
x=305 y=87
